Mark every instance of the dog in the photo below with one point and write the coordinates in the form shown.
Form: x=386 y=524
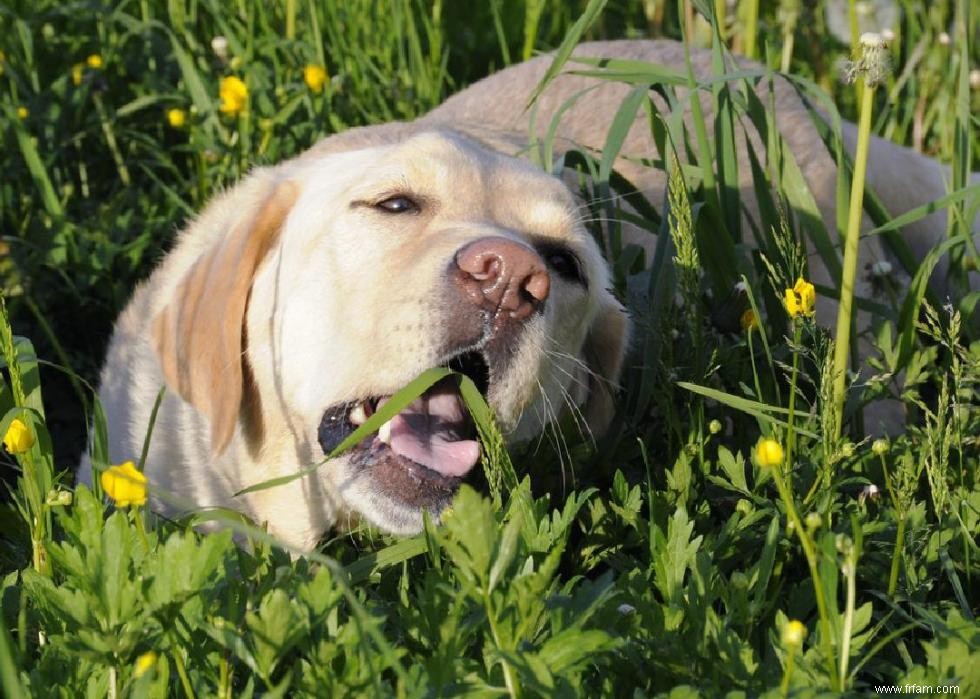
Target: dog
x=303 y=297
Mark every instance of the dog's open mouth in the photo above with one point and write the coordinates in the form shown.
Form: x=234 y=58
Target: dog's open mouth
x=422 y=454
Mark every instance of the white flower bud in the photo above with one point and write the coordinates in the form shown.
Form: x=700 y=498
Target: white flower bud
x=219 y=45
x=869 y=492
x=881 y=268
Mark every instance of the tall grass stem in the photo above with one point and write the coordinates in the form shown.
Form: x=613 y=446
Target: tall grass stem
x=851 y=242
x=751 y=27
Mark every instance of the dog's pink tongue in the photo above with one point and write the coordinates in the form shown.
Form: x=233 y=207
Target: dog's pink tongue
x=427 y=432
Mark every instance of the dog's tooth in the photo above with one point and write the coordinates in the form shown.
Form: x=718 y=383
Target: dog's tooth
x=384 y=434
x=357 y=415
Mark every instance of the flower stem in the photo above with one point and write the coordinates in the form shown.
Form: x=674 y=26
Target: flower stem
x=185 y=681
x=110 y=139
x=787 y=56
x=897 y=555
x=849 y=274
x=751 y=25
x=809 y=550
x=790 y=432
x=787 y=673
x=850 y=573
x=290 y=19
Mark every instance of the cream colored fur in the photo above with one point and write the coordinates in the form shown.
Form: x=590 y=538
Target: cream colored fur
x=343 y=303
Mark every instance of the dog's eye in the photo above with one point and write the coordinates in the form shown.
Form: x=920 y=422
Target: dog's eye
x=397 y=205
x=564 y=263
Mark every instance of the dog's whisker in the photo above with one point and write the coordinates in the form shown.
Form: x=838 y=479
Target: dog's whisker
x=580 y=362
x=571 y=377
x=574 y=409
x=561 y=446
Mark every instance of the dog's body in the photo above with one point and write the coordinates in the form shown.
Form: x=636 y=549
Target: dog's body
x=303 y=296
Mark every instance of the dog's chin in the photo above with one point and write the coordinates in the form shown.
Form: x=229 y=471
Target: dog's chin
x=373 y=496
x=392 y=491
x=416 y=462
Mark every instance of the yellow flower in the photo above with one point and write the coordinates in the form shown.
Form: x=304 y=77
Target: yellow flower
x=23 y=112
x=77 y=73
x=314 y=76
x=880 y=447
x=94 y=61
x=234 y=95
x=144 y=663
x=749 y=320
x=769 y=453
x=176 y=117
x=793 y=634
x=800 y=299
x=19 y=437
x=124 y=484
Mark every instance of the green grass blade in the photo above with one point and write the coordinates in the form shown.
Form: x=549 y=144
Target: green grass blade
x=920 y=212
x=398 y=402
x=913 y=299
x=568 y=45
x=750 y=407
x=35 y=166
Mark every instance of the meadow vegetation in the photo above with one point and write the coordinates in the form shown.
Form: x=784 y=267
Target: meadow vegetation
x=738 y=533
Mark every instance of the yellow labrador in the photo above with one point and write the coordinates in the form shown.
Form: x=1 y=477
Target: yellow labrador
x=308 y=293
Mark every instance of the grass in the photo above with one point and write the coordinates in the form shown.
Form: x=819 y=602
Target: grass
x=675 y=559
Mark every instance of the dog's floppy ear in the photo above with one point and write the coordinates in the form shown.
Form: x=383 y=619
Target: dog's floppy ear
x=605 y=349
x=199 y=334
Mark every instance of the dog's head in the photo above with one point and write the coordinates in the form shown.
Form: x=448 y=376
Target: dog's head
x=358 y=270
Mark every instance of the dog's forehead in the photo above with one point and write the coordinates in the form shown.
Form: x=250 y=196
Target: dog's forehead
x=464 y=180
x=474 y=178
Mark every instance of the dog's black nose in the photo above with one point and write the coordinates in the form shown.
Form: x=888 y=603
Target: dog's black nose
x=499 y=274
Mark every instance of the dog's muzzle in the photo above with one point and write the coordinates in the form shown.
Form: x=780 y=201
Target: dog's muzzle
x=494 y=286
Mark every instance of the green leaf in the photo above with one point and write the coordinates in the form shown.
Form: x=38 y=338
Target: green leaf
x=404 y=550
x=507 y=548
x=275 y=629
x=571 y=649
